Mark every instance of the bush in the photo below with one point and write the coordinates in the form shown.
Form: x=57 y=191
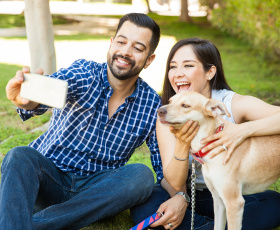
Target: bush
x=256 y=21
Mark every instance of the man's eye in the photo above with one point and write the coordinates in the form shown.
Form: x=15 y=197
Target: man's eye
x=137 y=49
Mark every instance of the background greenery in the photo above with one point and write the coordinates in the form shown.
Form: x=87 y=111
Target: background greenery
x=255 y=21
x=246 y=71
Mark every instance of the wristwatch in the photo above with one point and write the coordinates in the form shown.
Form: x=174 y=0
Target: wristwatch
x=185 y=195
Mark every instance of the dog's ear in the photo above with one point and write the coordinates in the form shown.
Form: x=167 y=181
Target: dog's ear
x=216 y=108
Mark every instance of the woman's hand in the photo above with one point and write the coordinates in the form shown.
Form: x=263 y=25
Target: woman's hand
x=231 y=136
x=186 y=133
x=173 y=211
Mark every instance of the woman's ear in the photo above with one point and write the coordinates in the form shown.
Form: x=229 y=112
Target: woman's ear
x=211 y=72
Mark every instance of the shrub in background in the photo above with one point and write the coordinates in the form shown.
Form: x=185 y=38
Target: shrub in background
x=256 y=21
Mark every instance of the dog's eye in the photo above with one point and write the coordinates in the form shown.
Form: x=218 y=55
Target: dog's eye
x=185 y=106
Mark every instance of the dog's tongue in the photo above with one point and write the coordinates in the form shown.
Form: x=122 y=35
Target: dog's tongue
x=184 y=88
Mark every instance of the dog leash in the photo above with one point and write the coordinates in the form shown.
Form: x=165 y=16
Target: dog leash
x=196 y=157
x=147 y=222
x=193 y=177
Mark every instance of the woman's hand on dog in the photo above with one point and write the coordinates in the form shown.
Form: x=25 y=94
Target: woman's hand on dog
x=187 y=132
x=231 y=137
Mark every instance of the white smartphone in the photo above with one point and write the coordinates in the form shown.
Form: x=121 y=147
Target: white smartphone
x=44 y=90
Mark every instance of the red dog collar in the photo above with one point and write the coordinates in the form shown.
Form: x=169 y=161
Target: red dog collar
x=199 y=155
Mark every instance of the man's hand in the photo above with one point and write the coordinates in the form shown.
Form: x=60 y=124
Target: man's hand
x=173 y=211
x=13 y=89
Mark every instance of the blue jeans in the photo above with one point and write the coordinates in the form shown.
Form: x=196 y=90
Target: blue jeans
x=31 y=183
x=261 y=211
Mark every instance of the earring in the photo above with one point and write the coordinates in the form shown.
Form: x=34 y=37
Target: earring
x=209 y=78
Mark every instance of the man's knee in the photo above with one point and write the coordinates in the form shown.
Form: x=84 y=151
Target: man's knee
x=19 y=157
x=142 y=176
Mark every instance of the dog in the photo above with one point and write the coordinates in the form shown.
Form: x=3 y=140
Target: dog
x=252 y=168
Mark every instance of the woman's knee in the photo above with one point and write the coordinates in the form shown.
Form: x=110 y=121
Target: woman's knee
x=151 y=205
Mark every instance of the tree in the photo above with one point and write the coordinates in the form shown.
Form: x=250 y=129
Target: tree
x=184 y=17
x=38 y=21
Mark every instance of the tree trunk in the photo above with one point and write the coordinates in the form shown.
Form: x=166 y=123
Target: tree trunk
x=184 y=17
x=38 y=21
x=148 y=5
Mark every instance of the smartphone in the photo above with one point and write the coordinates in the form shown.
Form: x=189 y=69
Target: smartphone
x=44 y=90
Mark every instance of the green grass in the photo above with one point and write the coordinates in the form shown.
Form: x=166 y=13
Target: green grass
x=10 y=21
x=246 y=71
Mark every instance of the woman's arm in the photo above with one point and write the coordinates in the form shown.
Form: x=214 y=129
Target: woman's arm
x=264 y=118
x=253 y=117
x=175 y=144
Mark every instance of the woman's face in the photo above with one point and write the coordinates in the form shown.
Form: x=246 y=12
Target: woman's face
x=187 y=73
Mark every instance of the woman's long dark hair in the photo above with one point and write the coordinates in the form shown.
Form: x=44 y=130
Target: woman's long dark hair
x=208 y=54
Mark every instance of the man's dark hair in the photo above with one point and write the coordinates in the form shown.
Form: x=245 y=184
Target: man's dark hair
x=142 y=20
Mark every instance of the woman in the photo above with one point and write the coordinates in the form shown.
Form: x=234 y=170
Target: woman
x=195 y=64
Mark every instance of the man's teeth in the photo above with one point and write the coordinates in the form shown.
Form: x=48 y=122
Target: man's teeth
x=123 y=62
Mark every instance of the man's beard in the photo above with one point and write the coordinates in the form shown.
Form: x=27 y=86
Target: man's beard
x=121 y=73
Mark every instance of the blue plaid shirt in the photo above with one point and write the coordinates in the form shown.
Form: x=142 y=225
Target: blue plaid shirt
x=82 y=139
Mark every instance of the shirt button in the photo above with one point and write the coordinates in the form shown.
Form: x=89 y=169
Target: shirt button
x=105 y=127
x=99 y=150
x=89 y=160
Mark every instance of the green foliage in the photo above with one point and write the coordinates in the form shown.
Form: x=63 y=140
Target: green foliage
x=10 y=21
x=256 y=21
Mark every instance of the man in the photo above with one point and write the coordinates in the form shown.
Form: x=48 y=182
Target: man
x=75 y=173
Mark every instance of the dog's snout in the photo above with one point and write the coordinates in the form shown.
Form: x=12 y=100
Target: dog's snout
x=161 y=111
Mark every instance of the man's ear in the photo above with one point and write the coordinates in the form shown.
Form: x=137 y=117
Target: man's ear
x=149 y=60
x=112 y=39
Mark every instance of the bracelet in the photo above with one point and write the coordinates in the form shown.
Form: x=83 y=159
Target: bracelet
x=179 y=159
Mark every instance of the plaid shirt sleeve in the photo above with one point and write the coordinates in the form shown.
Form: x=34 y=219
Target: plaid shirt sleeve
x=155 y=155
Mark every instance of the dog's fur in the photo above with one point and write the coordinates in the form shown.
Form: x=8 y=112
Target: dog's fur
x=252 y=168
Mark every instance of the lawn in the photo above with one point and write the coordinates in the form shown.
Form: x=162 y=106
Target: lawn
x=246 y=71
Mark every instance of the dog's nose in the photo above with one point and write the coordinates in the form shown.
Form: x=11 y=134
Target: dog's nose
x=161 y=111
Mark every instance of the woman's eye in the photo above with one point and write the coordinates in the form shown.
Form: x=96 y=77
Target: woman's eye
x=172 y=67
x=188 y=66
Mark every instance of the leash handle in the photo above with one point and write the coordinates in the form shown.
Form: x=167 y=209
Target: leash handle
x=145 y=223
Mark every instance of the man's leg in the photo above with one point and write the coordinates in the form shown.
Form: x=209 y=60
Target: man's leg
x=25 y=173
x=117 y=191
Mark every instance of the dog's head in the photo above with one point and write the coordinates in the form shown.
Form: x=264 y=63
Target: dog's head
x=188 y=105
